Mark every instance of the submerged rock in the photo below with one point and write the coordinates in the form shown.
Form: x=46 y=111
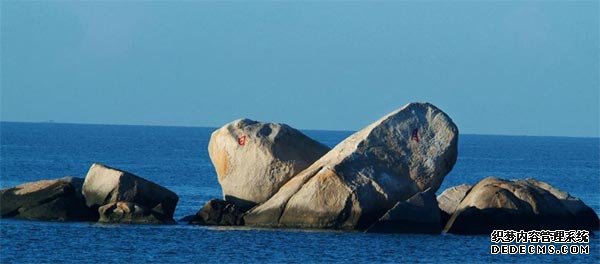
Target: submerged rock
x=405 y=152
x=449 y=200
x=253 y=159
x=56 y=199
x=419 y=214
x=104 y=185
x=132 y=213
x=517 y=205
x=218 y=212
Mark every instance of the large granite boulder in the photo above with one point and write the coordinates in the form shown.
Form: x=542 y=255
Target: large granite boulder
x=58 y=199
x=419 y=214
x=405 y=152
x=497 y=204
x=218 y=212
x=449 y=200
x=253 y=159
x=104 y=185
x=132 y=213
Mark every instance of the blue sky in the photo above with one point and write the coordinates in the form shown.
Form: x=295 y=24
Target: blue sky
x=515 y=68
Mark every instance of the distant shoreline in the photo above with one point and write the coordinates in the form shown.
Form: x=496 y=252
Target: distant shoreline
x=52 y=122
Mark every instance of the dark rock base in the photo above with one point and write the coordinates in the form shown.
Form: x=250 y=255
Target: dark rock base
x=217 y=212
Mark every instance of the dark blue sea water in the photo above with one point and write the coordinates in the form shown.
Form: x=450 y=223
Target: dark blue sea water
x=177 y=158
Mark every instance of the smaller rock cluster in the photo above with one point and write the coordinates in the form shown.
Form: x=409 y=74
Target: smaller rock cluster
x=498 y=204
x=105 y=195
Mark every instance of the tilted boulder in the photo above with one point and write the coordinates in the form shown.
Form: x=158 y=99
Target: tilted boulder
x=104 y=185
x=132 y=213
x=353 y=185
x=253 y=159
x=497 y=204
x=419 y=214
x=56 y=199
x=449 y=200
x=218 y=212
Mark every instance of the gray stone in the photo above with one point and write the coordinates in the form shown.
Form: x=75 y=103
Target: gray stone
x=253 y=159
x=218 y=212
x=77 y=183
x=46 y=200
x=353 y=185
x=494 y=204
x=132 y=213
x=450 y=199
x=104 y=185
x=419 y=214
x=585 y=216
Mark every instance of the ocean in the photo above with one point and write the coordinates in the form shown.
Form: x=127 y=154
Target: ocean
x=177 y=157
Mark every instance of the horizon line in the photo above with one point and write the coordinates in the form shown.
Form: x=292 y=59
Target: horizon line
x=302 y=129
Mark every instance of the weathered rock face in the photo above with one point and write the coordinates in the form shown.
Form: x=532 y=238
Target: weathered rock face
x=450 y=199
x=253 y=159
x=132 y=213
x=419 y=214
x=104 y=185
x=46 y=200
x=353 y=185
x=218 y=212
x=517 y=205
x=585 y=217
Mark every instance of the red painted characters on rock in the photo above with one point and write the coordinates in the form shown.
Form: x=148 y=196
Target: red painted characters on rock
x=242 y=140
x=415 y=135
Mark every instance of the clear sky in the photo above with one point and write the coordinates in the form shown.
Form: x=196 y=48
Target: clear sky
x=516 y=68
